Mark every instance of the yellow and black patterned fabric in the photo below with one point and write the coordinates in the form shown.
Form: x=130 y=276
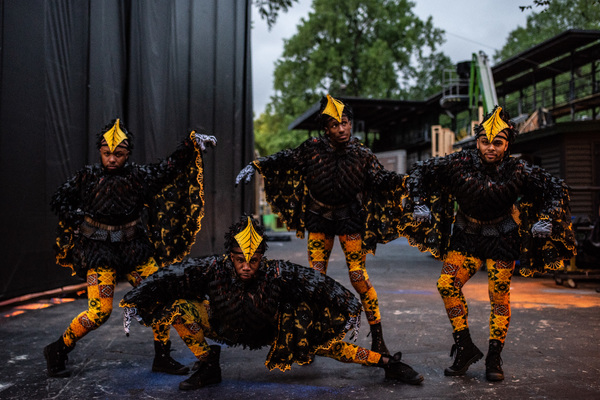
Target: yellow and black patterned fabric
x=319 y=249
x=350 y=353
x=457 y=269
x=499 y=277
x=322 y=188
x=118 y=219
x=192 y=324
x=295 y=310
x=495 y=206
x=101 y=284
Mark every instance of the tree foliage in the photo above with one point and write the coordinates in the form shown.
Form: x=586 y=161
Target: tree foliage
x=537 y=3
x=354 y=48
x=269 y=9
x=555 y=17
x=271 y=133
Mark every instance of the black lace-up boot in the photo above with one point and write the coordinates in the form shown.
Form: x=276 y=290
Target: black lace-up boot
x=465 y=352
x=163 y=362
x=493 y=362
x=56 y=358
x=208 y=372
x=377 y=342
x=399 y=371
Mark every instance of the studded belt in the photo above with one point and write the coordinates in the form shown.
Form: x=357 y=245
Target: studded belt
x=110 y=228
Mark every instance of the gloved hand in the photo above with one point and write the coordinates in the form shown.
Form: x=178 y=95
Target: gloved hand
x=205 y=140
x=542 y=229
x=422 y=213
x=245 y=174
x=128 y=313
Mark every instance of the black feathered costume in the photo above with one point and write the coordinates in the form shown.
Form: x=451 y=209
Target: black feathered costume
x=125 y=221
x=334 y=185
x=295 y=310
x=334 y=190
x=120 y=219
x=497 y=205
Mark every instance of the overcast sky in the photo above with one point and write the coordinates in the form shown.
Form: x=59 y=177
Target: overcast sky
x=470 y=25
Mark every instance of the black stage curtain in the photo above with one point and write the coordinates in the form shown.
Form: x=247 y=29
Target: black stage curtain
x=68 y=67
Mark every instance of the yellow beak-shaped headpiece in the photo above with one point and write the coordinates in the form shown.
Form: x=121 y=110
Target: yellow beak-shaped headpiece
x=249 y=240
x=494 y=125
x=114 y=136
x=334 y=108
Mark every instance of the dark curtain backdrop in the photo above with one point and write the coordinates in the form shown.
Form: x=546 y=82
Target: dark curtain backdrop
x=67 y=67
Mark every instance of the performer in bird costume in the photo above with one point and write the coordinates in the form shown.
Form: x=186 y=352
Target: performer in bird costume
x=120 y=219
x=507 y=210
x=330 y=186
x=242 y=298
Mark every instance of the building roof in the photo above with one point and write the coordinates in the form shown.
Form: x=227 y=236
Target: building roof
x=547 y=59
x=378 y=114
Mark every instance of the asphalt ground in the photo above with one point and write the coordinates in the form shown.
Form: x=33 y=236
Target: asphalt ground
x=552 y=349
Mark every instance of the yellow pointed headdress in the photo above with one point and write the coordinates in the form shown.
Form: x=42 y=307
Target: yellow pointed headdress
x=249 y=240
x=334 y=108
x=494 y=124
x=114 y=136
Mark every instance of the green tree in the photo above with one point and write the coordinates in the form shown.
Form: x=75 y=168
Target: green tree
x=269 y=9
x=271 y=133
x=354 y=48
x=555 y=17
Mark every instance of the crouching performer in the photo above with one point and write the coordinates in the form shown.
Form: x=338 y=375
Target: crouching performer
x=243 y=299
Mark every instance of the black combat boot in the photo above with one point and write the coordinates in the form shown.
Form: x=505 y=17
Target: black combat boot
x=466 y=353
x=377 y=342
x=208 y=372
x=493 y=362
x=163 y=362
x=399 y=371
x=56 y=357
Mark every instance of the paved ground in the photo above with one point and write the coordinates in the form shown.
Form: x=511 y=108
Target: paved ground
x=552 y=351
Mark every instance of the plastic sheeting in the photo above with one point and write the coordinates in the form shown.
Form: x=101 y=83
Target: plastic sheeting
x=68 y=67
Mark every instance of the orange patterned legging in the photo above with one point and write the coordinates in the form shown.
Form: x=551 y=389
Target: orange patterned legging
x=350 y=353
x=457 y=269
x=101 y=284
x=319 y=250
x=193 y=326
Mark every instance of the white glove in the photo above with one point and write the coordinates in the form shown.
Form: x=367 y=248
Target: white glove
x=245 y=174
x=542 y=229
x=127 y=314
x=205 y=140
x=422 y=213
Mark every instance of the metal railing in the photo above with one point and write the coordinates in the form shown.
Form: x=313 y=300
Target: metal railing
x=549 y=95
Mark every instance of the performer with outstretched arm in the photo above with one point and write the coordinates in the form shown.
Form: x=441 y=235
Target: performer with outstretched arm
x=334 y=185
x=120 y=219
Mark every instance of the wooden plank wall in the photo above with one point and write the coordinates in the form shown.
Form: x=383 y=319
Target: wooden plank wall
x=581 y=170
